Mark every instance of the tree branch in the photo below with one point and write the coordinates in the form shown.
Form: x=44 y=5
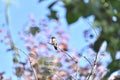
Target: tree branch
x=76 y=62
x=92 y=73
x=34 y=73
x=88 y=61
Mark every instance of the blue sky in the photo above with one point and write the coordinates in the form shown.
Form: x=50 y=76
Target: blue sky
x=18 y=16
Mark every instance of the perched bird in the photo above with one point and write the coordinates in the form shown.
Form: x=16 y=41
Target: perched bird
x=54 y=42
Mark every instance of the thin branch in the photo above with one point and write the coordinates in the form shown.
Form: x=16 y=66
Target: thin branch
x=68 y=55
x=88 y=61
x=6 y=14
x=77 y=71
x=93 y=28
x=11 y=41
x=76 y=62
x=92 y=73
x=34 y=73
x=65 y=53
x=8 y=25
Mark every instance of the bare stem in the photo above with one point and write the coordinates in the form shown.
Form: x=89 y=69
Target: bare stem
x=88 y=61
x=11 y=41
x=8 y=25
x=92 y=73
x=68 y=55
x=77 y=71
x=34 y=73
x=93 y=29
x=76 y=62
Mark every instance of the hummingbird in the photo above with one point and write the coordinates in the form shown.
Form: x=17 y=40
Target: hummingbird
x=54 y=42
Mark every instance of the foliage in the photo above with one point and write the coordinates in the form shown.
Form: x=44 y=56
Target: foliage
x=104 y=12
x=48 y=63
x=107 y=14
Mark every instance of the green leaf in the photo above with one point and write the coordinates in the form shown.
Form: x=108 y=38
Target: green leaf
x=51 y=5
x=15 y=60
x=34 y=30
x=71 y=17
x=53 y=14
x=113 y=66
x=40 y=1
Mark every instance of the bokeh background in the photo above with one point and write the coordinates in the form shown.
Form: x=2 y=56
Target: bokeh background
x=82 y=28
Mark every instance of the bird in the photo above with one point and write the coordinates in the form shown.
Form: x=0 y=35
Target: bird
x=54 y=42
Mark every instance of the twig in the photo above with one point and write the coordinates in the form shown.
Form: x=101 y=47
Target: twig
x=11 y=41
x=76 y=62
x=77 y=71
x=92 y=73
x=93 y=28
x=68 y=55
x=34 y=73
x=88 y=61
x=65 y=53
x=8 y=25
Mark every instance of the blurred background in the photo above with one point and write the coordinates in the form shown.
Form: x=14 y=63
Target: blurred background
x=82 y=28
